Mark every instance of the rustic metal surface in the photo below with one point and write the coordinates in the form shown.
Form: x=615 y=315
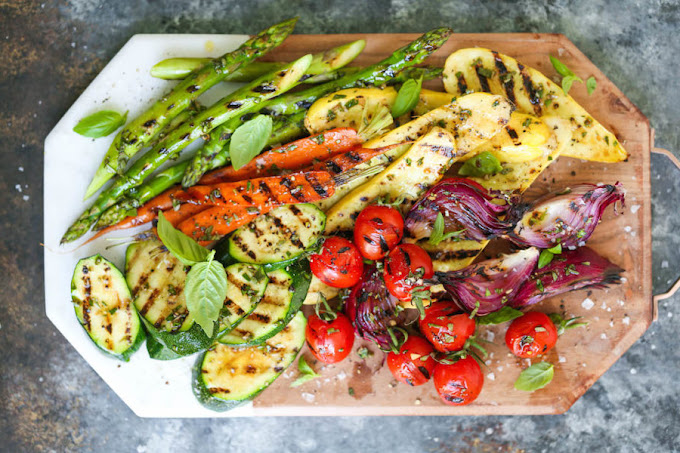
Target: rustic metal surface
x=50 y=400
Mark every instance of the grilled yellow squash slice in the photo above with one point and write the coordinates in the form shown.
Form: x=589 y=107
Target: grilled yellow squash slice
x=353 y=106
x=478 y=69
x=442 y=136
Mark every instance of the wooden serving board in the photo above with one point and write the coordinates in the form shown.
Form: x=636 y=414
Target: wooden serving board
x=617 y=316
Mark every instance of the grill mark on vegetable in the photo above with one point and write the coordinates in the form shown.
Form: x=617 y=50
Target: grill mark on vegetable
x=214 y=390
x=509 y=83
x=87 y=284
x=264 y=88
x=236 y=239
x=483 y=82
x=292 y=237
x=512 y=133
x=318 y=188
x=333 y=167
x=462 y=83
x=529 y=87
x=354 y=157
x=150 y=302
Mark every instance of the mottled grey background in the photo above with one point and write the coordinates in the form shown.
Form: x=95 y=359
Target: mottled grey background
x=50 y=399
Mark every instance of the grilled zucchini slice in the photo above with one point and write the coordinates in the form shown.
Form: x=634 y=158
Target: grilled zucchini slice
x=156 y=279
x=103 y=306
x=247 y=284
x=282 y=234
x=285 y=293
x=226 y=377
x=477 y=69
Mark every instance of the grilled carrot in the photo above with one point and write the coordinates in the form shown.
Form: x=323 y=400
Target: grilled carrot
x=293 y=156
x=217 y=221
x=350 y=159
x=268 y=192
x=185 y=211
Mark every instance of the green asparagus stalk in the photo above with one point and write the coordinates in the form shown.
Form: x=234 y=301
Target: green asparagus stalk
x=139 y=132
x=378 y=74
x=322 y=64
x=233 y=105
x=179 y=68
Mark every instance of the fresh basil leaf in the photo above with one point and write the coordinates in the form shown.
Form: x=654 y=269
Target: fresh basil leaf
x=306 y=373
x=560 y=67
x=568 y=81
x=505 y=314
x=545 y=258
x=535 y=377
x=407 y=97
x=481 y=165
x=205 y=291
x=591 y=84
x=249 y=139
x=179 y=244
x=100 y=124
x=556 y=250
x=437 y=235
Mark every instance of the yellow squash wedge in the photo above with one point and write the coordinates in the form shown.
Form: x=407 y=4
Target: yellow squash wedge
x=478 y=69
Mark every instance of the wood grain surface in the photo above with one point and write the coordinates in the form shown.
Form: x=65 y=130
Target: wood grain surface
x=617 y=316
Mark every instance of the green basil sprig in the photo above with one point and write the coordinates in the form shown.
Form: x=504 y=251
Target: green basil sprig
x=179 y=244
x=481 y=165
x=505 y=314
x=100 y=124
x=306 y=373
x=535 y=377
x=437 y=235
x=249 y=139
x=206 y=283
x=568 y=77
x=407 y=97
x=591 y=84
x=205 y=291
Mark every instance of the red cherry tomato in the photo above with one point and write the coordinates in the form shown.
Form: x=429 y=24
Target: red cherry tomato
x=403 y=262
x=330 y=341
x=446 y=327
x=531 y=334
x=378 y=230
x=460 y=383
x=339 y=264
x=413 y=365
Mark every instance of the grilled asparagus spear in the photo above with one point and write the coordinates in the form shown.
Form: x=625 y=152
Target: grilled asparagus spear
x=138 y=133
x=233 y=105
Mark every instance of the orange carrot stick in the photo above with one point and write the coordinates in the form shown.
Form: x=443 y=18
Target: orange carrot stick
x=345 y=161
x=185 y=211
x=268 y=192
x=293 y=156
x=218 y=221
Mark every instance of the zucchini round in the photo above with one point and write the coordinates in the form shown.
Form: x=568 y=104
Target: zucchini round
x=282 y=234
x=103 y=306
x=285 y=293
x=226 y=377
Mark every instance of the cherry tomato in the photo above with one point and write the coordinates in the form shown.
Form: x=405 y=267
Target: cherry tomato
x=460 y=383
x=446 y=327
x=330 y=341
x=413 y=365
x=531 y=334
x=378 y=230
x=339 y=264
x=403 y=262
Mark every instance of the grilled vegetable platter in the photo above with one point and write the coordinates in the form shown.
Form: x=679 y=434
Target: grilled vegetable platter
x=344 y=210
